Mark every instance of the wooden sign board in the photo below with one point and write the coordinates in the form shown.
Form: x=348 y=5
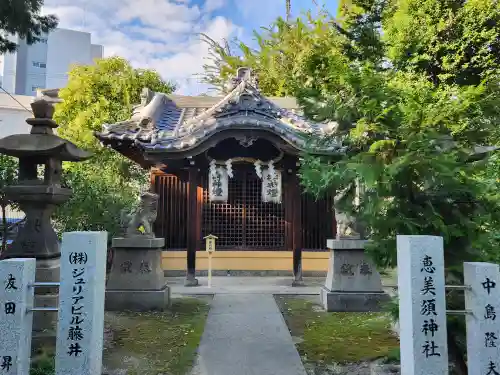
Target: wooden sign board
x=210 y=243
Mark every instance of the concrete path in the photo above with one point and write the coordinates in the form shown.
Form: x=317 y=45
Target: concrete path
x=245 y=334
x=245 y=285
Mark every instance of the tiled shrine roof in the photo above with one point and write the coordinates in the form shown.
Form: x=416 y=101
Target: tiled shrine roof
x=173 y=123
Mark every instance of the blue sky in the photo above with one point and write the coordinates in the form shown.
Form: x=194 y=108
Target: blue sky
x=164 y=34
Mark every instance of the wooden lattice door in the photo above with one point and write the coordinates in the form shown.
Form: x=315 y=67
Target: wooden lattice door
x=244 y=221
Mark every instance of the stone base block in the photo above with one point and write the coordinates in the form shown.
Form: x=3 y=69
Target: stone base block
x=352 y=301
x=298 y=283
x=136 y=269
x=191 y=280
x=140 y=242
x=138 y=300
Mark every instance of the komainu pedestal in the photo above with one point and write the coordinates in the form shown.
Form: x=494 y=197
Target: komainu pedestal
x=353 y=283
x=136 y=281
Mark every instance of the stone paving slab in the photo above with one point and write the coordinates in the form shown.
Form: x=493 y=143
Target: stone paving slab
x=252 y=285
x=245 y=285
x=246 y=334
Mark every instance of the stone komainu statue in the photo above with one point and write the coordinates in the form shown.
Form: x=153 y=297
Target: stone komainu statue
x=142 y=217
x=346 y=224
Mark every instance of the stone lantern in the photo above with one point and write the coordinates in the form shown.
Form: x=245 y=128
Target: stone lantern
x=38 y=197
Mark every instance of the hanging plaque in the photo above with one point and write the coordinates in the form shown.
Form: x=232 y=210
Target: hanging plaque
x=271 y=186
x=218 y=184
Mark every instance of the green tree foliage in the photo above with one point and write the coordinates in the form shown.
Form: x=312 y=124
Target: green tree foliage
x=360 y=23
x=8 y=175
x=107 y=183
x=411 y=148
x=99 y=195
x=102 y=93
x=278 y=58
x=22 y=18
x=452 y=41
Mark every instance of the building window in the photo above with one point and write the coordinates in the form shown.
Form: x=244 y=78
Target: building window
x=38 y=64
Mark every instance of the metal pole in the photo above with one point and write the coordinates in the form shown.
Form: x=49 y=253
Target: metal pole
x=45 y=284
x=53 y=309
x=458 y=287
x=458 y=312
x=455 y=287
x=210 y=269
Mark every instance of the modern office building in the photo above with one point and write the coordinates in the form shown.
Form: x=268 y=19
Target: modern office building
x=46 y=64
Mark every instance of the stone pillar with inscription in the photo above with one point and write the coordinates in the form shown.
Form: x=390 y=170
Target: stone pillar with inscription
x=353 y=282
x=482 y=300
x=16 y=317
x=80 y=328
x=38 y=196
x=136 y=281
x=422 y=305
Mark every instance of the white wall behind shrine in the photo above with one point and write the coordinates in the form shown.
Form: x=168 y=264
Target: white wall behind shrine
x=13 y=115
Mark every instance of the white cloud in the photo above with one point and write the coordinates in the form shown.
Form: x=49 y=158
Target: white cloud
x=157 y=34
x=211 y=5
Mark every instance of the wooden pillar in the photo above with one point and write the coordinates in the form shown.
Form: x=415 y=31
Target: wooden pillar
x=288 y=206
x=334 y=217
x=296 y=229
x=192 y=226
x=153 y=188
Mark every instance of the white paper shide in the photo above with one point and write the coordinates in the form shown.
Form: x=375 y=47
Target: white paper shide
x=271 y=185
x=218 y=181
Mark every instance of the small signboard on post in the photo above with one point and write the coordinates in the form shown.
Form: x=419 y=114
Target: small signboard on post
x=210 y=249
x=422 y=308
x=81 y=303
x=482 y=302
x=16 y=318
x=210 y=243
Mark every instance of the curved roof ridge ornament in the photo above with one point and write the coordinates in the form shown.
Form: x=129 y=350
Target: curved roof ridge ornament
x=243 y=74
x=213 y=109
x=142 y=113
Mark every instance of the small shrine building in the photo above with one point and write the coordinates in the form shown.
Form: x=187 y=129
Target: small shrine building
x=228 y=166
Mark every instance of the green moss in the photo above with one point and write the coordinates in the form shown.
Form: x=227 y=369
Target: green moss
x=145 y=343
x=337 y=337
x=156 y=342
x=394 y=356
x=42 y=362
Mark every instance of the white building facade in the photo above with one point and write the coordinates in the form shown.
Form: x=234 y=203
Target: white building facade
x=46 y=64
x=14 y=110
